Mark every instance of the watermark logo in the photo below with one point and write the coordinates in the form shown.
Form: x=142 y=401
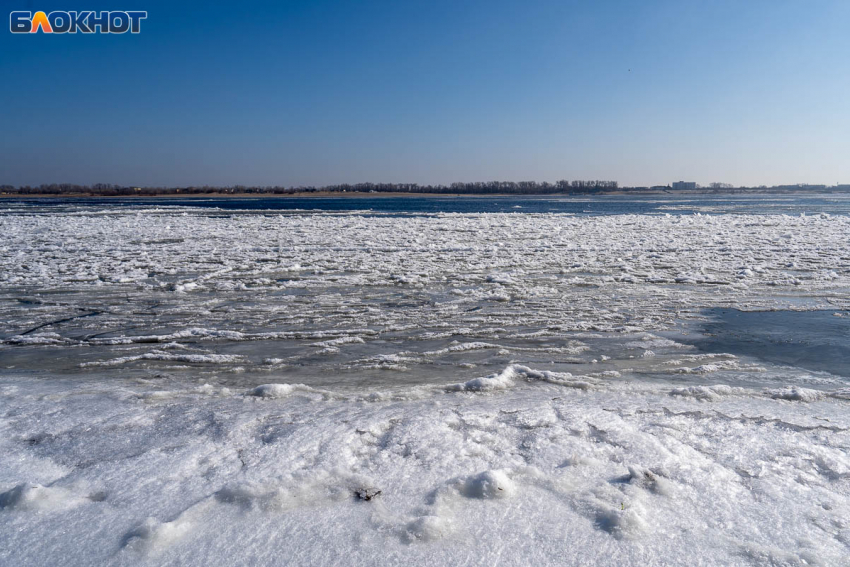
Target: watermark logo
x=76 y=22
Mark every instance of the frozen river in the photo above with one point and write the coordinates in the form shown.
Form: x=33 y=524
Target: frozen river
x=531 y=381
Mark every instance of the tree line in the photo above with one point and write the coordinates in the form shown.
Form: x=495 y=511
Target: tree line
x=474 y=188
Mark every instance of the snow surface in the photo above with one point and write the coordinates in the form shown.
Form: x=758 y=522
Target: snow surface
x=185 y=388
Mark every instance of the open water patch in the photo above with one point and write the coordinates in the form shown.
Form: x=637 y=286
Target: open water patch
x=813 y=340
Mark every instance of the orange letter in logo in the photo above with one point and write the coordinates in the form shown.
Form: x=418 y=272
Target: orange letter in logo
x=40 y=20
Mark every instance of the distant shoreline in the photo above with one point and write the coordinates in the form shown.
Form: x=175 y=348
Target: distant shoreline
x=362 y=195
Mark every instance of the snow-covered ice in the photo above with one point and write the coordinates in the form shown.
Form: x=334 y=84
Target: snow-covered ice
x=181 y=387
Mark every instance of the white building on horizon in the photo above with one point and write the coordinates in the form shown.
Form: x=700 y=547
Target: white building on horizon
x=684 y=185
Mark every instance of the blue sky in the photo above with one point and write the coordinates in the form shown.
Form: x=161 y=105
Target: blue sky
x=292 y=93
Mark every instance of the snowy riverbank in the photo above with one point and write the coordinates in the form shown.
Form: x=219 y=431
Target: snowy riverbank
x=539 y=472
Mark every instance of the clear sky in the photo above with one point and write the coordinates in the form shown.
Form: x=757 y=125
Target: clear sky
x=291 y=93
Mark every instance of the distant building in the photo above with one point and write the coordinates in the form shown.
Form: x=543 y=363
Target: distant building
x=684 y=185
